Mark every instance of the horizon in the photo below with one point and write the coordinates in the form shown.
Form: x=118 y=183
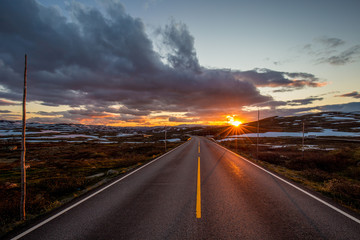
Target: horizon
x=225 y=124
x=156 y=63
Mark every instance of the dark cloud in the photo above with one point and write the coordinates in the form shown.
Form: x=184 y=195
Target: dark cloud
x=297 y=102
x=47 y=120
x=7 y=103
x=181 y=45
x=273 y=104
x=103 y=65
x=304 y=101
x=344 y=57
x=5 y=111
x=353 y=94
x=42 y=113
x=285 y=80
x=328 y=51
x=331 y=42
x=87 y=113
x=134 y=112
x=182 y=119
x=10 y=116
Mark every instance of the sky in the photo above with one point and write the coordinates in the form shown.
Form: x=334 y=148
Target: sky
x=167 y=62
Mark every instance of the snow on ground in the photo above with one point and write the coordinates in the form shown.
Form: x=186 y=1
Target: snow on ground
x=15 y=133
x=89 y=137
x=50 y=140
x=331 y=132
x=72 y=136
x=306 y=147
x=341 y=118
x=171 y=140
x=226 y=139
x=324 y=133
x=125 y=134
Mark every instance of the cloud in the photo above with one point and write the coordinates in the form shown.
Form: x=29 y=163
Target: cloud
x=5 y=111
x=296 y=102
x=103 y=65
x=273 y=104
x=353 y=94
x=342 y=58
x=42 y=113
x=331 y=42
x=305 y=101
x=182 y=119
x=7 y=103
x=181 y=44
x=327 y=50
x=285 y=80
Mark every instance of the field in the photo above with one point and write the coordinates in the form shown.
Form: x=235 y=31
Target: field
x=330 y=166
x=59 y=171
x=67 y=160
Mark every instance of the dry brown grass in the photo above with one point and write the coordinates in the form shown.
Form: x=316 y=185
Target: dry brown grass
x=335 y=173
x=58 y=172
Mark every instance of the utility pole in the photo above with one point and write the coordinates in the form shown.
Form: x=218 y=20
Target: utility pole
x=257 y=138
x=23 y=151
x=165 y=138
x=303 y=137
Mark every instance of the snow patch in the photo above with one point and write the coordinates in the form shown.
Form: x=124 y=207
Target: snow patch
x=324 y=133
x=171 y=140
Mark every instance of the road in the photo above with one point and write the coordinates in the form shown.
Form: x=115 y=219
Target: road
x=199 y=191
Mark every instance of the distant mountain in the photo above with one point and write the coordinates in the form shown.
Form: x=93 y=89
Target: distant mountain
x=341 y=124
x=315 y=122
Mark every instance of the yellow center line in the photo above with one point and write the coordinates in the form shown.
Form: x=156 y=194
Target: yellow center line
x=199 y=147
x=198 y=193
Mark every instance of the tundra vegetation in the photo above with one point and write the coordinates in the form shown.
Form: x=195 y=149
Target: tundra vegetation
x=330 y=166
x=59 y=171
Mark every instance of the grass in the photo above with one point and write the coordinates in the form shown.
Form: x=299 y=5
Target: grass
x=334 y=173
x=58 y=172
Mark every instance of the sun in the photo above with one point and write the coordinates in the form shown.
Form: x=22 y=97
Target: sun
x=236 y=123
x=232 y=121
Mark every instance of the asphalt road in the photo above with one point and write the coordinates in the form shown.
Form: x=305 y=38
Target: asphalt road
x=226 y=198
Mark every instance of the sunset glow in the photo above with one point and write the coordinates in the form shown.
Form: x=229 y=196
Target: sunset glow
x=174 y=75
x=236 y=123
x=233 y=121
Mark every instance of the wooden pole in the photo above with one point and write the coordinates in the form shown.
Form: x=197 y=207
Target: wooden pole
x=257 y=138
x=303 y=137
x=23 y=151
x=165 y=138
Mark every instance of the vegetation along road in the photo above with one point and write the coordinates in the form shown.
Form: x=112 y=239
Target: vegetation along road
x=199 y=190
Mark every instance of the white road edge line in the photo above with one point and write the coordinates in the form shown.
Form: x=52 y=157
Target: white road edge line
x=90 y=196
x=296 y=187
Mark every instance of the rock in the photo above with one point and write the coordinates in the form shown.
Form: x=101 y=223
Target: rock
x=112 y=172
